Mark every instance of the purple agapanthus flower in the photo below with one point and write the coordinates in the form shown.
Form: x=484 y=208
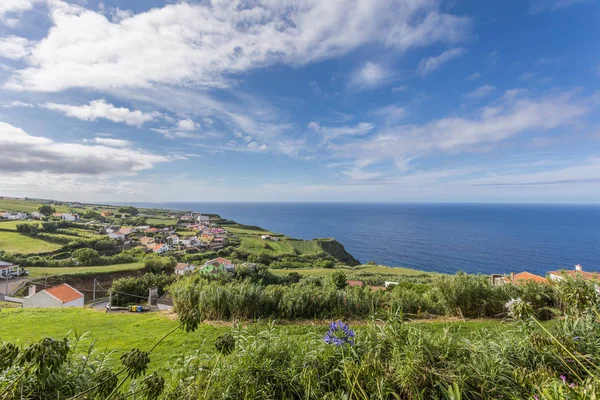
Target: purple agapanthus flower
x=339 y=333
x=564 y=378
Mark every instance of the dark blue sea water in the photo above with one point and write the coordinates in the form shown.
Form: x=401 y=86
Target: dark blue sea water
x=436 y=237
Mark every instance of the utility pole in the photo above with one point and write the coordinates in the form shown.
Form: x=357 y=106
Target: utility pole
x=109 y=301
x=94 y=292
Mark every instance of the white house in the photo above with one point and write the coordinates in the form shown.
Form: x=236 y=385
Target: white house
x=116 y=235
x=228 y=265
x=37 y=215
x=16 y=216
x=60 y=296
x=161 y=248
x=69 y=217
x=201 y=218
x=173 y=240
x=573 y=273
x=182 y=268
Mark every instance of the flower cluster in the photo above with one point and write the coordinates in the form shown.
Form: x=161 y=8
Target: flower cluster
x=339 y=333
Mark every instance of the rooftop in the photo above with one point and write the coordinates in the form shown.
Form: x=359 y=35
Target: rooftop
x=64 y=293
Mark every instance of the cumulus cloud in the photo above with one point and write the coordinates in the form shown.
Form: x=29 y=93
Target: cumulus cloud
x=24 y=153
x=370 y=75
x=481 y=91
x=14 y=47
x=474 y=76
x=101 y=109
x=187 y=125
x=430 y=64
x=203 y=44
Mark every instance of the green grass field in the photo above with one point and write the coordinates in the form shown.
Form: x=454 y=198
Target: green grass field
x=379 y=269
x=17 y=243
x=26 y=206
x=12 y=225
x=241 y=231
x=256 y=244
x=159 y=221
x=122 y=332
x=305 y=246
x=43 y=271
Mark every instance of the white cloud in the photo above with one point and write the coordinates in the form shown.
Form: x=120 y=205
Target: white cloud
x=8 y=7
x=430 y=64
x=203 y=44
x=18 y=103
x=330 y=133
x=399 y=89
x=369 y=75
x=23 y=153
x=391 y=114
x=101 y=109
x=187 y=125
x=513 y=114
x=14 y=47
x=538 y=6
x=474 y=76
x=314 y=126
x=481 y=92
x=112 y=142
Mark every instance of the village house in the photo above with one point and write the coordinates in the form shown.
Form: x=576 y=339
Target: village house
x=116 y=235
x=524 y=277
x=69 y=217
x=226 y=264
x=161 y=248
x=60 y=296
x=37 y=215
x=141 y=228
x=13 y=216
x=182 y=268
x=573 y=273
x=201 y=218
x=173 y=240
x=106 y=213
x=151 y=230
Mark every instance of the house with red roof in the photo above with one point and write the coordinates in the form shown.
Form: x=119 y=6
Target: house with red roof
x=574 y=273
x=224 y=263
x=160 y=248
x=524 y=277
x=61 y=296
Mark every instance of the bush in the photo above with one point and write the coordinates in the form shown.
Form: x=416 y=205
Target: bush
x=158 y=265
x=134 y=290
x=28 y=229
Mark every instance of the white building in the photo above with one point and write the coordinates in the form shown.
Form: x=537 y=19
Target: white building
x=60 y=296
x=160 y=248
x=173 y=240
x=182 y=268
x=16 y=216
x=69 y=217
x=201 y=218
x=37 y=215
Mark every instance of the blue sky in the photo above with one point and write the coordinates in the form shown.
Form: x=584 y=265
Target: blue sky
x=269 y=100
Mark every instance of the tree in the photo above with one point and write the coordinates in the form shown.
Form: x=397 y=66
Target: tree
x=50 y=226
x=129 y=210
x=339 y=279
x=46 y=210
x=91 y=214
x=86 y=255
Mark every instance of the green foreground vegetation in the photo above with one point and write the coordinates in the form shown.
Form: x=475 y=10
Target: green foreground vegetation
x=16 y=243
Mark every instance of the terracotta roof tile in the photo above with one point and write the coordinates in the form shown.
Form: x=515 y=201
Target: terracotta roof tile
x=64 y=293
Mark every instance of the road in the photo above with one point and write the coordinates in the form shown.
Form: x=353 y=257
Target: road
x=9 y=286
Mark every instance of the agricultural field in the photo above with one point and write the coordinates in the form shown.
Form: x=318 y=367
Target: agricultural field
x=17 y=243
x=26 y=206
x=160 y=221
x=51 y=271
x=305 y=246
x=12 y=225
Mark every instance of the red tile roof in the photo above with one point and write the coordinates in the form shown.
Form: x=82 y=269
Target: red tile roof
x=590 y=276
x=181 y=266
x=528 y=276
x=64 y=293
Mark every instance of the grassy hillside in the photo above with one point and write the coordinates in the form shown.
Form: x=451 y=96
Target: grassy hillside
x=12 y=225
x=26 y=206
x=17 y=243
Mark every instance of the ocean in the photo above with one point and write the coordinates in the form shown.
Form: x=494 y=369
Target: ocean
x=474 y=238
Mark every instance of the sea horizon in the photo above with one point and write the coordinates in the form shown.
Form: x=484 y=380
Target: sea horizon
x=438 y=237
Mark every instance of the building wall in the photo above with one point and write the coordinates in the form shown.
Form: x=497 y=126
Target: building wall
x=75 y=303
x=41 y=300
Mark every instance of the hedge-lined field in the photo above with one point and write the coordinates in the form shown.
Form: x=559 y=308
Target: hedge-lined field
x=43 y=271
x=17 y=243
